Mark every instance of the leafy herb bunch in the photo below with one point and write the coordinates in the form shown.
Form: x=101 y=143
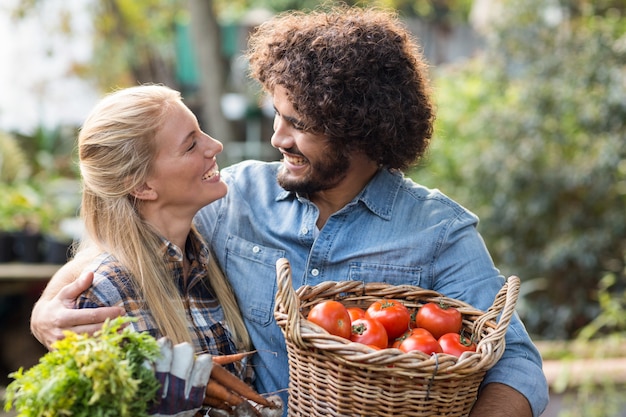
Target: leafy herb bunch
x=83 y=376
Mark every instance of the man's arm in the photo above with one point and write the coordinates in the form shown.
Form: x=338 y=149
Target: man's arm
x=54 y=312
x=499 y=400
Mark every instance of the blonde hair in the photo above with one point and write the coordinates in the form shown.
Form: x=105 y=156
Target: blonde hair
x=116 y=149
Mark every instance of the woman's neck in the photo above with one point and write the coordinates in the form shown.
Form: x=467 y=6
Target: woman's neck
x=174 y=227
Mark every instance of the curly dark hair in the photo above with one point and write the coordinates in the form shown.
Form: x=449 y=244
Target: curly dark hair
x=353 y=74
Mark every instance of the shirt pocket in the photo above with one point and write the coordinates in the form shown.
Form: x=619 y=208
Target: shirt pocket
x=251 y=270
x=389 y=274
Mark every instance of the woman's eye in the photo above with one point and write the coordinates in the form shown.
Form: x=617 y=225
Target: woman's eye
x=193 y=145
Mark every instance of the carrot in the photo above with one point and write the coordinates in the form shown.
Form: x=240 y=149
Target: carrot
x=216 y=403
x=226 y=359
x=215 y=390
x=235 y=384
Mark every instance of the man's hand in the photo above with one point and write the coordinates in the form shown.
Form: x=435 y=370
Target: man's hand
x=499 y=400
x=183 y=378
x=275 y=411
x=51 y=316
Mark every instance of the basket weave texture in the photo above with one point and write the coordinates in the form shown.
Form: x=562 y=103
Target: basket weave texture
x=332 y=376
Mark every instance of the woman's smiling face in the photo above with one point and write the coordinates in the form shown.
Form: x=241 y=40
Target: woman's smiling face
x=185 y=173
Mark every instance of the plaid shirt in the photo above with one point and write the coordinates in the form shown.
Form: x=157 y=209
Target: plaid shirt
x=111 y=287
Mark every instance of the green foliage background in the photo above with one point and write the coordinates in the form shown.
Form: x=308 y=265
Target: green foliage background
x=531 y=136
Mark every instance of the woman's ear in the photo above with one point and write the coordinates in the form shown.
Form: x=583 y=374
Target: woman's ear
x=144 y=192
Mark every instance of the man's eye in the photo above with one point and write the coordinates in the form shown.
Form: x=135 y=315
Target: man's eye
x=193 y=145
x=298 y=125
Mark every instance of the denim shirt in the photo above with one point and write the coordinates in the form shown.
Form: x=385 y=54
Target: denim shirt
x=394 y=231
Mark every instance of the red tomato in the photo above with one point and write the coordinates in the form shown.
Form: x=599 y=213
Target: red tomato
x=356 y=313
x=392 y=314
x=422 y=340
x=369 y=332
x=455 y=344
x=439 y=319
x=332 y=316
x=396 y=343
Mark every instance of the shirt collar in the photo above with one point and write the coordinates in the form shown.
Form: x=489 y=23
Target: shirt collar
x=195 y=245
x=378 y=195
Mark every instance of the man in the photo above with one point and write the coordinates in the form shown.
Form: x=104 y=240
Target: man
x=353 y=108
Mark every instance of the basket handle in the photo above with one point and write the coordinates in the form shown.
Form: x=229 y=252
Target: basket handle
x=287 y=303
x=504 y=302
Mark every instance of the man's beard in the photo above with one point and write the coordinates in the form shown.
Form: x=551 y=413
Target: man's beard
x=323 y=175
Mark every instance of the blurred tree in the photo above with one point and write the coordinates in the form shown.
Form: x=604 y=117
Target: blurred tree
x=431 y=10
x=139 y=41
x=134 y=41
x=212 y=67
x=531 y=137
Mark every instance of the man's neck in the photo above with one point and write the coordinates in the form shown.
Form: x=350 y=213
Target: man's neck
x=332 y=200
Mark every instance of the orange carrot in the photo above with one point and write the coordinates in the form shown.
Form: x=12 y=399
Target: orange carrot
x=216 y=403
x=235 y=384
x=215 y=390
x=226 y=359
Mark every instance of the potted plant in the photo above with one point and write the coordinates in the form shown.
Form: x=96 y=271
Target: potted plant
x=7 y=226
x=59 y=226
x=13 y=167
x=25 y=207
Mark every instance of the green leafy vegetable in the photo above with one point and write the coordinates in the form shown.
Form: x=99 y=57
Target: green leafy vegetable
x=100 y=376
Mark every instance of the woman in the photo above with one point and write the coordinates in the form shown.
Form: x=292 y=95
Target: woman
x=146 y=169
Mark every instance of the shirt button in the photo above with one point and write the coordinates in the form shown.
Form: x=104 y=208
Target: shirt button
x=256 y=249
x=304 y=230
x=315 y=272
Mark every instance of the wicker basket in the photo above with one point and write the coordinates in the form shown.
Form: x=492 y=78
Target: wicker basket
x=331 y=376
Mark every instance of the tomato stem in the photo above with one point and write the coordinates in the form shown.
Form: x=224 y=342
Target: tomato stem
x=359 y=328
x=465 y=340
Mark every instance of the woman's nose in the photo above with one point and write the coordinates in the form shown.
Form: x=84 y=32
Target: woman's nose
x=214 y=147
